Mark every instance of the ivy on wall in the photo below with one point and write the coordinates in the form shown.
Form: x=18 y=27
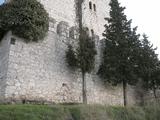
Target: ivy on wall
x=26 y=18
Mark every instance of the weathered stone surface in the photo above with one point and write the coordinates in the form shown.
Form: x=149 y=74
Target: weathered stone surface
x=4 y=57
x=38 y=72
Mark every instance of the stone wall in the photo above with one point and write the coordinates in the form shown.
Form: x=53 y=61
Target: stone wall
x=62 y=10
x=4 y=57
x=38 y=72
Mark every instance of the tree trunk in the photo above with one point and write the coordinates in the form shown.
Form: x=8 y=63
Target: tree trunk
x=154 y=92
x=79 y=18
x=84 y=91
x=125 y=92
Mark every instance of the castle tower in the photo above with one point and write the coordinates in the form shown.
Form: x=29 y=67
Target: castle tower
x=94 y=12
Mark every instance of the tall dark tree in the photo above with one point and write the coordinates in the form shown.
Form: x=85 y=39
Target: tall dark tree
x=84 y=55
x=82 y=58
x=121 y=43
x=149 y=66
x=154 y=82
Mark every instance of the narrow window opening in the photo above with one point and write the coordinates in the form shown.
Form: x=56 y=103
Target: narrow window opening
x=90 y=5
x=94 y=6
x=13 y=41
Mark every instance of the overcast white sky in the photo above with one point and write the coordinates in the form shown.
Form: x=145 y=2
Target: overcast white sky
x=146 y=15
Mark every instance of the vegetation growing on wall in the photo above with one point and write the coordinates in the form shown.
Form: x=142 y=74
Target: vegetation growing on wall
x=26 y=18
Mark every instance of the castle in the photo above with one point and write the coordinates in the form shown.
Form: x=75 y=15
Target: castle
x=38 y=71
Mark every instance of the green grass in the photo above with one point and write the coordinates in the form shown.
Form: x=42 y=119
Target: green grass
x=78 y=112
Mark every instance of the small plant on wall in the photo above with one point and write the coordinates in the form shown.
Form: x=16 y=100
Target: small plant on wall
x=26 y=18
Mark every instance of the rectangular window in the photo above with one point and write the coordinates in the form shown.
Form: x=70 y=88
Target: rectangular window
x=90 y=5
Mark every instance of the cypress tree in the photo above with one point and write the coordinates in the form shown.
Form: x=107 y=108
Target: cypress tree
x=119 y=62
x=82 y=58
x=149 y=66
x=85 y=53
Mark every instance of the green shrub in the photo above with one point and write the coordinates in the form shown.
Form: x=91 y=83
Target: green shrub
x=26 y=18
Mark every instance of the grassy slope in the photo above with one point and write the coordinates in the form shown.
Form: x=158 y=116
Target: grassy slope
x=77 y=112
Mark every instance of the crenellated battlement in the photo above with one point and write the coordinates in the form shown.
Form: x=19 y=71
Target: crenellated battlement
x=62 y=28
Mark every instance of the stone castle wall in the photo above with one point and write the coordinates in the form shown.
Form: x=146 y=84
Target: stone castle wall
x=38 y=72
x=4 y=57
x=62 y=10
